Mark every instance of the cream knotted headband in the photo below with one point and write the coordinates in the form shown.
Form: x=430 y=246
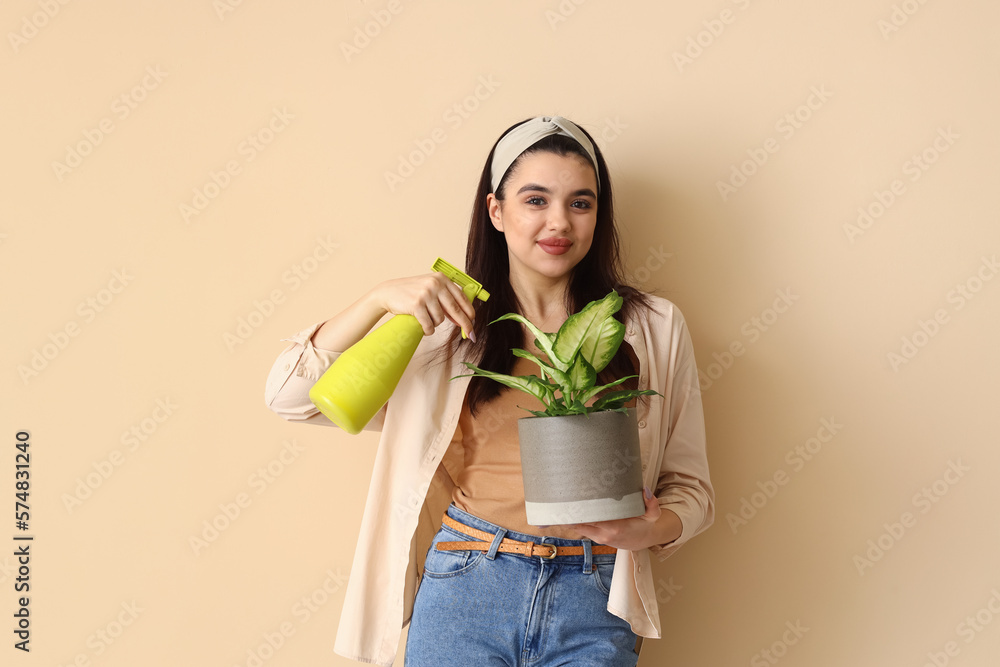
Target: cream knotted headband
x=527 y=134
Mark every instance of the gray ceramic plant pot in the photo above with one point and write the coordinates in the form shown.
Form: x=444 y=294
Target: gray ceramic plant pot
x=581 y=468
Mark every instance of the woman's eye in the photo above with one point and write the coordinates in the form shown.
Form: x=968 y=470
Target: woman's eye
x=540 y=201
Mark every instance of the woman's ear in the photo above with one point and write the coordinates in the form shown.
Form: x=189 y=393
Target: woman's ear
x=494 y=208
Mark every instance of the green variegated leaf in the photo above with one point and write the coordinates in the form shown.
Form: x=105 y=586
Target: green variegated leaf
x=542 y=339
x=556 y=374
x=575 y=329
x=602 y=343
x=549 y=389
x=617 y=399
x=543 y=389
x=594 y=391
x=531 y=384
x=581 y=375
x=582 y=348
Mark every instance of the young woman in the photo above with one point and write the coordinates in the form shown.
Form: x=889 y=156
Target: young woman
x=543 y=242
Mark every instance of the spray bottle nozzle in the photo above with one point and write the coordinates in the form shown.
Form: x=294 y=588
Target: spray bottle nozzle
x=472 y=289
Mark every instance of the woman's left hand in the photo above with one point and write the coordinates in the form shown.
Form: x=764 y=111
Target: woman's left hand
x=653 y=527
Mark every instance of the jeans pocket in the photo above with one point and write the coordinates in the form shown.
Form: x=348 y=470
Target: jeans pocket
x=441 y=564
x=602 y=576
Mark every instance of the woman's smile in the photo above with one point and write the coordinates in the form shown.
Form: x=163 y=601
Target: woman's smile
x=555 y=245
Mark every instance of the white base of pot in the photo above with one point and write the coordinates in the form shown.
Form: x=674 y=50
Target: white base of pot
x=585 y=511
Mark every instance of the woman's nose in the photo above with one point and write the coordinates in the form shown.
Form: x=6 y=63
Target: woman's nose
x=558 y=218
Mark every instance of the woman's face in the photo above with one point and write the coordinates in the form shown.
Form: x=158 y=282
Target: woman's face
x=549 y=214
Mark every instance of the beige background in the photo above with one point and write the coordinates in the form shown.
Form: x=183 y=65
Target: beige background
x=200 y=78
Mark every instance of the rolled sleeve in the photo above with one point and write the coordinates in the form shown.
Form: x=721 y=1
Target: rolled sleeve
x=684 y=486
x=294 y=373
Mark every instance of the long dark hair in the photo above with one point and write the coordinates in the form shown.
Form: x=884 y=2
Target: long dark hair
x=486 y=260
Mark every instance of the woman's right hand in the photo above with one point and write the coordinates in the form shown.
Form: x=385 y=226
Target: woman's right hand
x=430 y=298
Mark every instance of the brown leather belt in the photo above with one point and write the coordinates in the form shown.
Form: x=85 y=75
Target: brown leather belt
x=507 y=545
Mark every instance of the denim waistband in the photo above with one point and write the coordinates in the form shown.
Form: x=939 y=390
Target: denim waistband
x=473 y=521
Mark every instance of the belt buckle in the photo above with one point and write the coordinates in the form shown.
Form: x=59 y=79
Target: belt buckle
x=555 y=550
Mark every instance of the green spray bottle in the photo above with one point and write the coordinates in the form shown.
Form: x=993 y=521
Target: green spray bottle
x=361 y=380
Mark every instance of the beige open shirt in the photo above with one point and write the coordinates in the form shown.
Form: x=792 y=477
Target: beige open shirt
x=410 y=491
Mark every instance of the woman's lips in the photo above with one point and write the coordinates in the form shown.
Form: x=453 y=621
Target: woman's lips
x=555 y=248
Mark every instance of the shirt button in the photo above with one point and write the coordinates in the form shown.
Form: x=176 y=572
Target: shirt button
x=643 y=466
x=642 y=424
x=287 y=366
x=631 y=332
x=642 y=379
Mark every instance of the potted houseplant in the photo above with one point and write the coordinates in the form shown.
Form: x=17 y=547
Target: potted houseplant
x=579 y=463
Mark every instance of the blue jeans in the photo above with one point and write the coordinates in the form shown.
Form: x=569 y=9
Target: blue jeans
x=504 y=609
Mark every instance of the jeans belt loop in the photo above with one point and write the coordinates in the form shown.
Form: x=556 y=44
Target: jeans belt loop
x=588 y=557
x=497 y=539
